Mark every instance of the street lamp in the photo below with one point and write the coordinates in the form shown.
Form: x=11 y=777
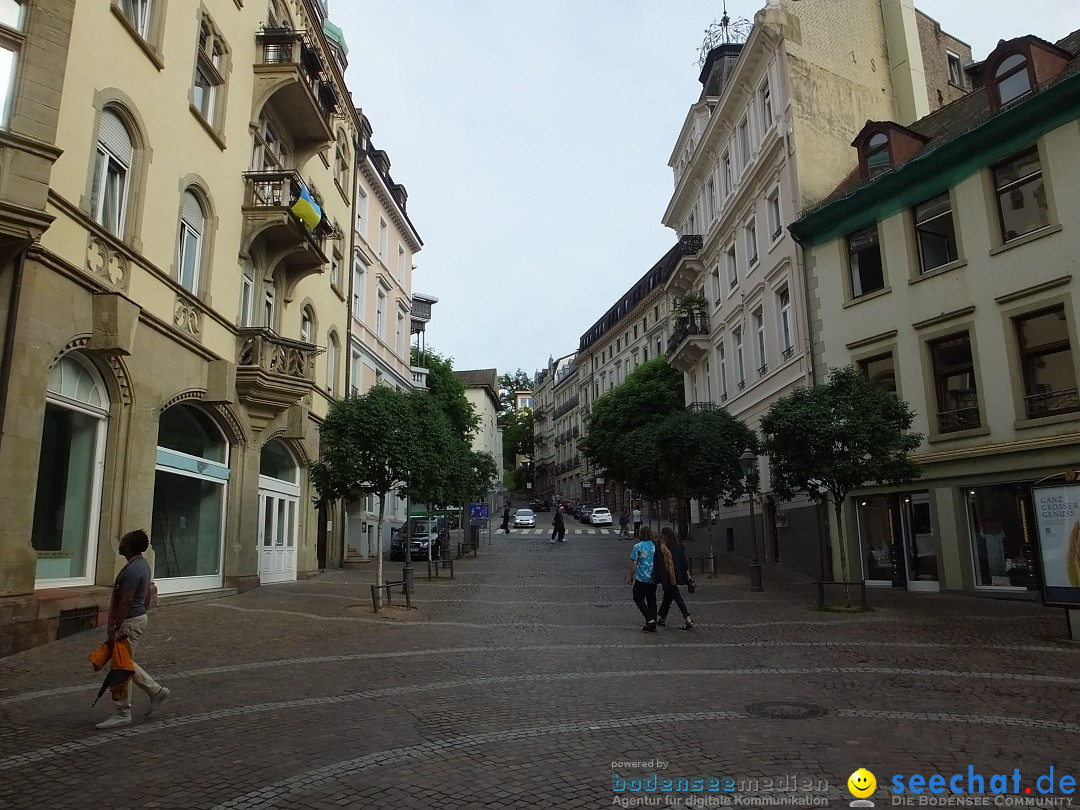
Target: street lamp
x=748 y=462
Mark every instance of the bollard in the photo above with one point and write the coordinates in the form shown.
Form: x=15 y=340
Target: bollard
x=407 y=578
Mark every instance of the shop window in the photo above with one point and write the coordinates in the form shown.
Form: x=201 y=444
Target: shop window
x=64 y=533
x=1047 y=363
x=954 y=382
x=275 y=461
x=934 y=232
x=877 y=537
x=1021 y=195
x=998 y=533
x=864 y=261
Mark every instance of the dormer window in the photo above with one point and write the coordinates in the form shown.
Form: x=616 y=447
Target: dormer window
x=1012 y=78
x=876 y=154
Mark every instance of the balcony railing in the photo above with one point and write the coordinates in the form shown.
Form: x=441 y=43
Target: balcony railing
x=702 y=406
x=959 y=419
x=277 y=355
x=688 y=326
x=1045 y=403
x=567 y=406
x=419 y=377
x=292 y=49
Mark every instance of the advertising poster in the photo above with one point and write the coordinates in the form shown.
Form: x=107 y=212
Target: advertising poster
x=1057 y=516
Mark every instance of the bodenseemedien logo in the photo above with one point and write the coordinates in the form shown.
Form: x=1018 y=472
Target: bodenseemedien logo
x=861 y=785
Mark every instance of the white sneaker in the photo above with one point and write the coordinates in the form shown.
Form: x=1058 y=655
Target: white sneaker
x=115 y=721
x=158 y=699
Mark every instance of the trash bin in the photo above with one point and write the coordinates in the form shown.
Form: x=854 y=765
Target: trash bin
x=474 y=537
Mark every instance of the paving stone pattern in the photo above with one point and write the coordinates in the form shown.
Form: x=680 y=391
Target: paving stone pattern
x=526 y=682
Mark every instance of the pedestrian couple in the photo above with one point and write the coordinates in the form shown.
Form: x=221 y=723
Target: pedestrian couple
x=664 y=564
x=624 y=523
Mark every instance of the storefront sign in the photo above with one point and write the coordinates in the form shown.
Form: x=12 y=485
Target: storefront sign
x=1057 y=515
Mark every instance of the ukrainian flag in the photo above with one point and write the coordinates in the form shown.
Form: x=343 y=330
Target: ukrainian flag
x=307 y=210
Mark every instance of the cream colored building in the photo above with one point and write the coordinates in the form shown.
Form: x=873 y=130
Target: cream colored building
x=945 y=270
x=547 y=461
x=482 y=391
x=768 y=136
x=174 y=329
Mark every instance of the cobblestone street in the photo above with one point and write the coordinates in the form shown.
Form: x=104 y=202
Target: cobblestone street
x=527 y=682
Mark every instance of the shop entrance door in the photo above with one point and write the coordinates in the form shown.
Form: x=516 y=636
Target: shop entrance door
x=277 y=536
x=920 y=542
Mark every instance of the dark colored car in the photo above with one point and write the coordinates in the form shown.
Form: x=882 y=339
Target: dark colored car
x=584 y=511
x=540 y=506
x=429 y=536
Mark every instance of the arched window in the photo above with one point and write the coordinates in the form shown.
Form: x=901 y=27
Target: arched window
x=277 y=462
x=876 y=153
x=341 y=162
x=279 y=511
x=331 y=363
x=112 y=172
x=70 y=466
x=192 y=226
x=269 y=304
x=1012 y=78
x=307 y=325
x=189 y=500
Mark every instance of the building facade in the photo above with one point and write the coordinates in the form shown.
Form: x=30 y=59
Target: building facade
x=175 y=295
x=482 y=391
x=944 y=270
x=768 y=136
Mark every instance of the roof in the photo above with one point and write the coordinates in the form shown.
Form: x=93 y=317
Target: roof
x=486 y=378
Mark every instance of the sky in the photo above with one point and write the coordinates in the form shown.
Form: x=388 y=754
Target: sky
x=533 y=139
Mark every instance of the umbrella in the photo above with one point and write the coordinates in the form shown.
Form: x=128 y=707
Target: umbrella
x=121 y=667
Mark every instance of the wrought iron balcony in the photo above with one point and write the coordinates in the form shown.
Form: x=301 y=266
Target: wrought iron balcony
x=273 y=373
x=702 y=406
x=959 y=419
x=291 y=78
x=689 y=342
x=789 y=352
x=1045 y=403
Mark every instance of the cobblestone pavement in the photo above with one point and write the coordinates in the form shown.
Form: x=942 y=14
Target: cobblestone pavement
x=526 y=682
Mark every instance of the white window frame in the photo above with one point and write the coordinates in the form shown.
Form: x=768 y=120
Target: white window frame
x=765 y=99
x=750 y=230
x=951 y=59
x=721 y=352
x=746 y=152
x=359 y=279
x=401 y=263
x=787 y=332
x=732 y=266
x=105 y=159
x=380 y=315
x=760 y=351
x=195 y=231
x=247 y=298
x=384 y=239
x=775 y=217
x=740 y=359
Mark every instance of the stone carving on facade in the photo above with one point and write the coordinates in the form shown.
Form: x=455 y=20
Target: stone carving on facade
x=107 y=263
x=187 y=316
x=278 y=355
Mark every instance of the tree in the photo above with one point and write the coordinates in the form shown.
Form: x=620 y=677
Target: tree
x=430 y=475
x=508 y=384
x=698 y=452
x=369 y=447
x=834 y=438
x=517 y=437
x=653 y=390
x=449 y=391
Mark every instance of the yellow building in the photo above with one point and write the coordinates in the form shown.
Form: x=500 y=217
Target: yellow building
x=174 y=294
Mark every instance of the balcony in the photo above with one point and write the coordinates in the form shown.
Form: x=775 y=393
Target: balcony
x=689 y=343
x=291 y=79
x=577 y=432
x=685 y=275
x=269 y=221
x=567 y=406
x=1048 y=402
x=272 y=373
x=419 y=377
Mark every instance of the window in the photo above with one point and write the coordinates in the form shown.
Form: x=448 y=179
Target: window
x=744 y=142
x=270 y=151
x=691 y=222
x=710 y=198
x=1000 y=530
x=956 y=70
x=384 y=238
x=1047 y=363
x=359 y=279
x=876 y=154
x=341 y=162
x=336 y=260
x=765 y=96
x=192 y=224
x=659 y=348
x=723 y=371
x=934 y=233
x=954 y=383
x=247 y=297
x=880 y=370
x=331 y=363
x=306 y=328
x=718 y=290
x=725 y=166
x=361 y=211
x=1012 y=78
x=399 y=336
x=772 y=206
x=740 y=362
x=751 y=242
x=783 y=305
x=11 y=17
x=112 y=168
x=269 y=304
x=209 y=73
x=400 y=263
x=732 y=268
x=1021 y=196
x=760 y=357
x=708 y=382
x=380 y=316
x=645 y=355
x=864 y=259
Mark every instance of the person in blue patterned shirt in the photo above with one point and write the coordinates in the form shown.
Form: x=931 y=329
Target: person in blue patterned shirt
x=642 y=559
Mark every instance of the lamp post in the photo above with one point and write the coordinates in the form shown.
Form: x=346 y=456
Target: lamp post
x=748 y=462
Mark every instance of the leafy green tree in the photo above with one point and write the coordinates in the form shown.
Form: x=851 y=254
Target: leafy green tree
x=430 y=477
x=508 y=384
x=517 y=437
x=834 y=438
x=699 y=456
x=369 y=447
x=653 y=390
x=449 y=391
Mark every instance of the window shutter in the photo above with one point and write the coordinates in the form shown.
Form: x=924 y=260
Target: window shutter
x=192 y=212
x=113 y=135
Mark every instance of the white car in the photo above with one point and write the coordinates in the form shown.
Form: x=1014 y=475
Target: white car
x=600 y=516
x=524 y=517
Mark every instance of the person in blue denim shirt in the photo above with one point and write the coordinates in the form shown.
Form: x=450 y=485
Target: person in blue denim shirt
x=642 y=564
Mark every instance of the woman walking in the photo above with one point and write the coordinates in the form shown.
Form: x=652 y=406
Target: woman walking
x=506 y=520
x=642 y=569
x=673 y=572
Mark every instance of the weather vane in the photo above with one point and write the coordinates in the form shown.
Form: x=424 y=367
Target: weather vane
x=724 y=32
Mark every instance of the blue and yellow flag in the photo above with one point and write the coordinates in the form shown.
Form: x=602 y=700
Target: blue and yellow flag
x=307 y=209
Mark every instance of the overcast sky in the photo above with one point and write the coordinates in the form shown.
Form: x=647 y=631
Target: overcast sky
x=533 y=139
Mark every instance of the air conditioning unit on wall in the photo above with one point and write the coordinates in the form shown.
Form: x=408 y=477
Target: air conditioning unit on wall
x=781 y=520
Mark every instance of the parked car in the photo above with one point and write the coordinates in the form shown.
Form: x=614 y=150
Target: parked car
x=600 y=516
x=586 y=512
x=540 y=506
x=524 y=517
x=429 y=536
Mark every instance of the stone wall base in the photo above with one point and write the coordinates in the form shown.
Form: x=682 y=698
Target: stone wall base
x=34 y=619
x=243 y=584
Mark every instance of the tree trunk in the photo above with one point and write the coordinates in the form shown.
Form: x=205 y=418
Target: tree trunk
x=708 y=528
x=379 y=535
x=838 y=507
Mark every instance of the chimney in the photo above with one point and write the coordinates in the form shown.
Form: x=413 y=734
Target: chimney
x=905 y=60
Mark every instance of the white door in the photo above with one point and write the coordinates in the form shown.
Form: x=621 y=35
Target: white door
x=278 y=513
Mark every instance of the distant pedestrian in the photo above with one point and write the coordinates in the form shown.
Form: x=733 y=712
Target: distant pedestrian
x=624 y=524
x=127 y=619
x=672 y=573
x=637 y=523
x=558 y=529
x=642 y=559
x=506 y=520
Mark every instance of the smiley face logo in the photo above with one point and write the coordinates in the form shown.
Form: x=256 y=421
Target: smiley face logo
x=861 y=783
